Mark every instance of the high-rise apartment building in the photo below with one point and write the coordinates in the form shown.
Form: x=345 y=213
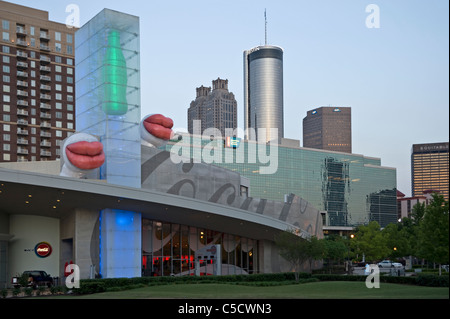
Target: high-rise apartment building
x=263 y=93
x=430 y=168
x=37 y=86
x=328 y=128
x=215 y=109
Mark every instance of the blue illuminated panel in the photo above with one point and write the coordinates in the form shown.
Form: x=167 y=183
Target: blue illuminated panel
x=120 y=244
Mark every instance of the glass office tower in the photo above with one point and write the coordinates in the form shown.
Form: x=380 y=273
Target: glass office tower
x=353 y=189
x=263 y=93
x=430 y=168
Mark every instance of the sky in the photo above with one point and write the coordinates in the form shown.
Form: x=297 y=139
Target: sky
x=394 y=76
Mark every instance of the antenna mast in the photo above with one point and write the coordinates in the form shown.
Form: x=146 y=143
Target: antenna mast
x=265 y=18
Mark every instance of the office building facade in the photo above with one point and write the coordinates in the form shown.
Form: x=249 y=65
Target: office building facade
x=213 y=109
x=37 y=84
x=263 y=93
x=328 y=128
x=430 y=168
x=352 y=189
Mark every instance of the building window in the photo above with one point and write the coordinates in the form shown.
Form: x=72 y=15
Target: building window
x=5 y=24
x=69 y=49
x=57 y=36
x=69 y=38
x=5 y=36
x=58 y=47
x=5 y=49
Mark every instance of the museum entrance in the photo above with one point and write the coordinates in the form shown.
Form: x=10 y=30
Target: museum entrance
x=169 y=250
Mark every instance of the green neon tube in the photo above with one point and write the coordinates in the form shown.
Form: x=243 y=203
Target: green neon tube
x=115 y=77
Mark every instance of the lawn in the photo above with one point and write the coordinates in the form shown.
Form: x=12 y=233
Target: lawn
x=315 y=290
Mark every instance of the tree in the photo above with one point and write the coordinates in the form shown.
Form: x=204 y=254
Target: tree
x=397 y=240
x=315 y=250
x=433 y=236
x=370 y=241
x=334 y=250
x=293 y=249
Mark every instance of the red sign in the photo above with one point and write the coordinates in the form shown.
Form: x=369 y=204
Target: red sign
x=43 y=250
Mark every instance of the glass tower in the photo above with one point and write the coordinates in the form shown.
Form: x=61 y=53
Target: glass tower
x=108 y=106
x=430 y=168
x=263 y=93
x=108 y=92
x=353 y=189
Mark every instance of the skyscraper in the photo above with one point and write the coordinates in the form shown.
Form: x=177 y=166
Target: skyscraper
x=430 y=168
x=328 y=128
x=263 y=92
x=37 y=84
x=215 y=109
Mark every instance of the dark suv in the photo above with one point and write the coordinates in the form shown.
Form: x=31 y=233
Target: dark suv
x=35 y=278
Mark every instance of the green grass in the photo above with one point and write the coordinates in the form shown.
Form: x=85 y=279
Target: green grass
x=315 y=290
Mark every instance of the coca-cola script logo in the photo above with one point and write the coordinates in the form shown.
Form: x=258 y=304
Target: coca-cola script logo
x=43 y=249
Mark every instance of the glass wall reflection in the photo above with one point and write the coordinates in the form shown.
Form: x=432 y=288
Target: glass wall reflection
x=169 y=250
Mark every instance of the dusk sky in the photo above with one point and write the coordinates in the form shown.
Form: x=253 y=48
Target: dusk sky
x=395 y=77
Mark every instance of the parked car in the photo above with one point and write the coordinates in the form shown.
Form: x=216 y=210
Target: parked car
x=36 y=278
x=389 y=264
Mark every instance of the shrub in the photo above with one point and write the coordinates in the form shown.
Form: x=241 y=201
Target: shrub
x=432 y=280
x=93 y=287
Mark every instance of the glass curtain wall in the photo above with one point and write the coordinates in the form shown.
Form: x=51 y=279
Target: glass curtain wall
x=169 y=250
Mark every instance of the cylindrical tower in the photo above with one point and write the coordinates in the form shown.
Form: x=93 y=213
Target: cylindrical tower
x=263 y=92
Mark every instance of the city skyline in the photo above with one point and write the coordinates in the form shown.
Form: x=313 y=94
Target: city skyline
x=395 y=78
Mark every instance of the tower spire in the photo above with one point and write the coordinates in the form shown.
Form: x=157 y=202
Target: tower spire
x=265 y=18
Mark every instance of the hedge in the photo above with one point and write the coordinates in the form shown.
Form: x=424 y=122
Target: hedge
x=420 y=280
x=89 y=286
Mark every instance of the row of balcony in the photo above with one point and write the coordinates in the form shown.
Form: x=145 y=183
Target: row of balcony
x=24 y=132
x=43 y=35
x=24 y=84
x=42 y=115
x=24 y=151
x=45 y=78
x=25 y=122
x=43 y=105
x=24 y=141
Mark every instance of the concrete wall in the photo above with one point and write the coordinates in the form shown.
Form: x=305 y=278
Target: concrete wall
x=28 y=231
x=80 y=241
